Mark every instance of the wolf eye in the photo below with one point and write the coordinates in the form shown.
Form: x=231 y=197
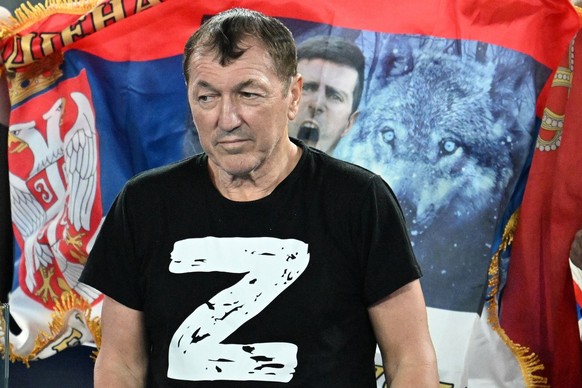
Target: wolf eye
x=387 y=135
x=448 y=146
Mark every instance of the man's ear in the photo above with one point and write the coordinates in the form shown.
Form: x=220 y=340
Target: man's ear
x=351 y=121
x=295 y=90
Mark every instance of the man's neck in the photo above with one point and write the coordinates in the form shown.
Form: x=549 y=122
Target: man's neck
x=260 y=183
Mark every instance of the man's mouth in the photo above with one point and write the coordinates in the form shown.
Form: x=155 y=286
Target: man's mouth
x=231 y=144
x=308 y=133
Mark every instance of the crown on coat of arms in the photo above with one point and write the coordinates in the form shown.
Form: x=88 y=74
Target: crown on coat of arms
x=34 y=78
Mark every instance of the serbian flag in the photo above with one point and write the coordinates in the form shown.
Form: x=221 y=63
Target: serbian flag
x=447 y=117
x=81 y=124
x=538 y=305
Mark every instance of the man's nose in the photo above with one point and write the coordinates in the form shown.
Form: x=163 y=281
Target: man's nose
x=317 y=100
x=229 y=116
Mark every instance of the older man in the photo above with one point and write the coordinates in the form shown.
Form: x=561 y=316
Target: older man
x=260 y=262
x=332 y=69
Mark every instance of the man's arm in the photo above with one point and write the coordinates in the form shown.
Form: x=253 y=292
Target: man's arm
x=401 y=328
x=576 y=249
x=122 y=359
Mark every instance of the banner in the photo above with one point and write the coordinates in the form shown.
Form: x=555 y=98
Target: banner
x=550 y=215
x=447 y=116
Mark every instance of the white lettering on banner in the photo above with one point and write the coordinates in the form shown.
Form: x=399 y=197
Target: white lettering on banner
x=270 y=265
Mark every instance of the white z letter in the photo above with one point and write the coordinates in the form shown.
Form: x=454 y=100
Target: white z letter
x=270 y=265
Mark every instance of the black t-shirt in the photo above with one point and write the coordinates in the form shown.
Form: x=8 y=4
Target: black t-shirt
x=273 y=291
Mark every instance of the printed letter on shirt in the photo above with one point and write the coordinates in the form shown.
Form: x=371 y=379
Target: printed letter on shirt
x=270 y=265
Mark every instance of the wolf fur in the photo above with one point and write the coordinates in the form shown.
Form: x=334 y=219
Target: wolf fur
x=433 y=130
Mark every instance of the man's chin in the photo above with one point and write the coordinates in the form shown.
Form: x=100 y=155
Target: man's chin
x=235 y=165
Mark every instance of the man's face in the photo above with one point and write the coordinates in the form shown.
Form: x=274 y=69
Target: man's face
x=325 y=111
x=241 y=110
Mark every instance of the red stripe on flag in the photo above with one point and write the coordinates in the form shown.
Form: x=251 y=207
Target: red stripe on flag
x=514 y=25
x=538 y=305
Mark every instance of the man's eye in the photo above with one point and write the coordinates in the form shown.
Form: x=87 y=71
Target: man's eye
x=336 y=97
x=309 y=87
x=249 y=95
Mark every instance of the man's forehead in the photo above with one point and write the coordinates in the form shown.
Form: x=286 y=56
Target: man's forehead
x=253 y=66
x=213 y=53
x=322 y=70
x=323 y=63
x=207 y=73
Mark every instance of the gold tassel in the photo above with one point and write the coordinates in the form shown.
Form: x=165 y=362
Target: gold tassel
x=27 y=14
x=69 y=303
x=529 y=362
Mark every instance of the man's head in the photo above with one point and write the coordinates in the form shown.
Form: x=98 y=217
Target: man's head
x=243 y=88
x=333 y=76
x=226 y=36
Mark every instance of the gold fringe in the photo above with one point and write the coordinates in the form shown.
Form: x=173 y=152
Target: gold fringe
x=27 y=14
x=579 y=12
x=529 y=362
x=69 y=302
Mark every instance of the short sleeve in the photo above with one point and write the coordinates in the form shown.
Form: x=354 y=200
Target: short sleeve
x=388 y=257
x=112 y=266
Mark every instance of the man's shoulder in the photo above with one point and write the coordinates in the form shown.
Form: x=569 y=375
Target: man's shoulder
x=350 y=181
x=336 y=168
x=172 y=173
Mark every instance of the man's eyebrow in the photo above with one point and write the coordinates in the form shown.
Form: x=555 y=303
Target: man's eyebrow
x=204 y=84
x=238 y=87
x=332 y=89
x=245 y=84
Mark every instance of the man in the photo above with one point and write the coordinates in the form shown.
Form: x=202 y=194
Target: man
x=332 y=69
x=261 y=260
x=6 y=237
